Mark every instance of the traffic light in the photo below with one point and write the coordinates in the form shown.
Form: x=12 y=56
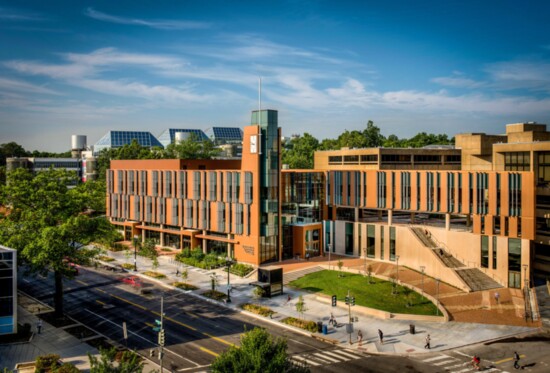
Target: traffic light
x=161 y=337
x=353 y=301
x=334 y=301
x=347 y=300
x=158 y=326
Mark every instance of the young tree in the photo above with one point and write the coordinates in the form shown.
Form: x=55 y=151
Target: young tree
x=301 y=306
x=369 y=273
x=184 y=274
x=47 y=223
x=130 y=362
x=340 y=265
x=155 y=262
x=258 y=293
x=259 y=353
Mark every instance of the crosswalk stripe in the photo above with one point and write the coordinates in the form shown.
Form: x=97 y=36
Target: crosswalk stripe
x=332 y=353
x=456 y=366
x=450 y=361
x=351 y=355
x=321 y=356
x=436 y=358
x=304 y=360
x=463 y=370
x=492 y=370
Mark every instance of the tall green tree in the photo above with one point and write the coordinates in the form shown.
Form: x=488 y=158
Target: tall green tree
x=259 y=353
x=191 y=148
x=11 y=149
x=46 y=223
x=299 y=152
x=129 y=362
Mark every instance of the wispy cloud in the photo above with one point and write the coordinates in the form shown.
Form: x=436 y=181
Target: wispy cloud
x=520 y=74
x=17 y=15
x=162 y=24
x=458 y=80
x=21 y=86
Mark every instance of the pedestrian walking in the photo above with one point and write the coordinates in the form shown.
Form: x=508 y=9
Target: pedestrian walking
x=381 y=336
x=177 y=272
x=497 y=297
x=359 y=337
x=39 y=326
x=516 y=360
x=428 y=341
x=332 y=320
x=307 y=256
x=287 y=299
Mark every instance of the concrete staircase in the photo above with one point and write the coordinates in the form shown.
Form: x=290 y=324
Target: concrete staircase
x=476 y=279
x=291 y=276
x=473 y=277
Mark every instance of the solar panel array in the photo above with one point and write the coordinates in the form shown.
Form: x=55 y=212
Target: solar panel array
x=225 y=134
x=116 y=139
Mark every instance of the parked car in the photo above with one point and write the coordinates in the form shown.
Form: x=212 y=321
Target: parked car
x=132 y=280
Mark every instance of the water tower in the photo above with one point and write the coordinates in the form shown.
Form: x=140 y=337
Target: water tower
x=78 y=145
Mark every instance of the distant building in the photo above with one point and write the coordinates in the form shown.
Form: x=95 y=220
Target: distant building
x=43 y=164
x=8 y=290
x=225 y=135
x=170 y=135
x=117 y=139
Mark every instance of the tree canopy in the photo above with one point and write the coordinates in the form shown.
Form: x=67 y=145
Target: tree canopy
x=191 y=148
x=129 y=362
x=259 y=353
x=47 y=222
x=298 y=152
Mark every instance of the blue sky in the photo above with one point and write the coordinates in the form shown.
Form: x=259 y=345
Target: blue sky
x=78 y=67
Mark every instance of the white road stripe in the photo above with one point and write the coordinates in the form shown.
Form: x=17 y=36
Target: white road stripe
x=462 y=353
x=452 y=361
x=463 y=370
x=321 y=356
x=304 y=360
x=436 y=358
x=353 y=356
x=338 y=356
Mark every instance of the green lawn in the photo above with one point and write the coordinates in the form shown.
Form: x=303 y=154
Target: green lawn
x=377 y=294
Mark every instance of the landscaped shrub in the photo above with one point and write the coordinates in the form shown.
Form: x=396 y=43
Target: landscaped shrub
x=214 y=294
x=47 y=363
x=106 y=258
x=117 y=246
x=257 y=309
x=127 y=266
x=310 y=326
x=241 y=269
x=154 y=274
x=67 y=368
x=184 y=286
x=197 y=254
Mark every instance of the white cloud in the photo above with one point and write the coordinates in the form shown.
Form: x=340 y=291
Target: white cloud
x=162 y=24
x=457 y=81
x=520 y=74
x=21 y=86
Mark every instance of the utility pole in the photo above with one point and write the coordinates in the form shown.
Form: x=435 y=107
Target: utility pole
x=161 y=332
x=350 y=301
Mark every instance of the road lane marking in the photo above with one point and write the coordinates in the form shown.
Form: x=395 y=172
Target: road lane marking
x=197 y=367
x=508 y=359
x=103 y=291
x=139 y=336
x=436 y=358
x=100 y=302
x=218 y=339
x=347 y=353
x=303 y=359
x=321 y=356
x=209 y=351
x=129 y=302
x=82 y=282
x=149 y=324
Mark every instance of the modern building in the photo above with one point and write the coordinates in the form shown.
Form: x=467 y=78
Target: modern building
x=170 y=135
x=477 y=215
x=225 y=135
x=8 y=290
x=42 y=164
x=228 y=206
x=117 y=139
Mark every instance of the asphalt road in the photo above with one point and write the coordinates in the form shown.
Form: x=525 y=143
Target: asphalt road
x=196 y=330
x=495 y=356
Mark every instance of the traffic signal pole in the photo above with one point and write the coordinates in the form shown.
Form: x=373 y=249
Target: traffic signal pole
x=349 y=317
x=161 y=333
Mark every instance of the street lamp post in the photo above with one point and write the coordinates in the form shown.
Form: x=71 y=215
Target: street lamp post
x=136 y=240
x=329 y=250
x=422 y=268
x=397 y=271
x=228 y=263
x=437 y=295
x=525 y=279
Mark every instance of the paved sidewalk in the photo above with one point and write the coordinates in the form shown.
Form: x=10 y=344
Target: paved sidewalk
x=397 y=338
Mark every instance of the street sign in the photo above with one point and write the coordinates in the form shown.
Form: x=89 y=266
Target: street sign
x=158 y=326
x=124 y=330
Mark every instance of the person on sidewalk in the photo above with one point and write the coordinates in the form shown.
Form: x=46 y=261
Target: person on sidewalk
x=287 y=299
x=332 y=320
x=428 y=340
x=497 y=297
x=381 y=336
x=39 y=326
x=516 y=360
x=359 y=337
